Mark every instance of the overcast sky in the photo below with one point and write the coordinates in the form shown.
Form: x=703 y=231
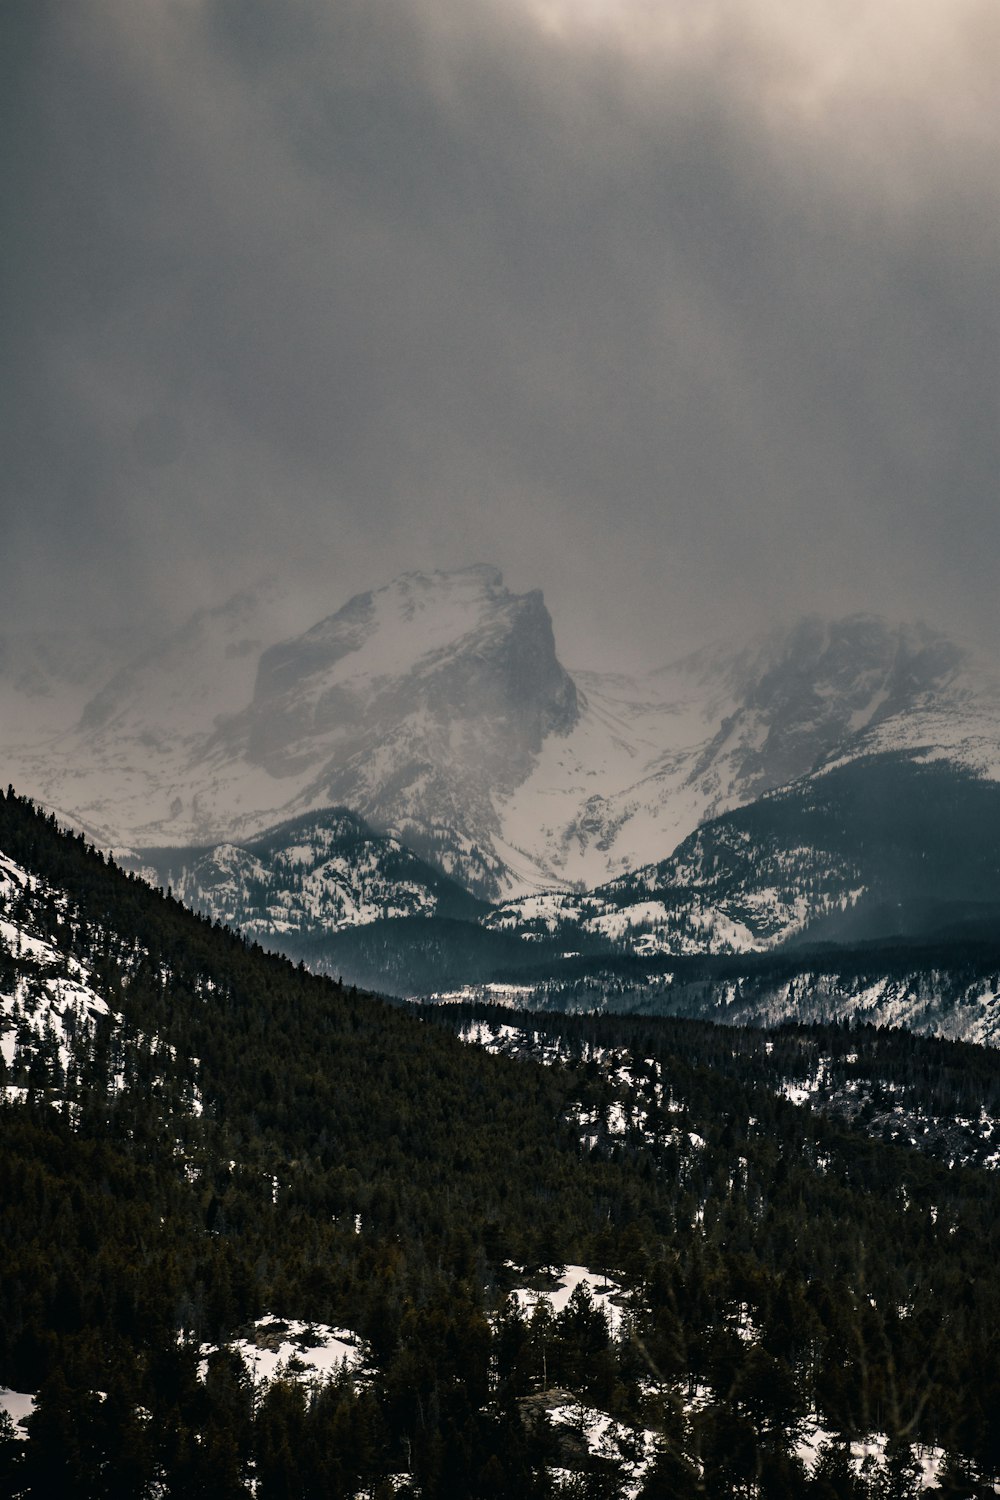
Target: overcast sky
x=686 y=311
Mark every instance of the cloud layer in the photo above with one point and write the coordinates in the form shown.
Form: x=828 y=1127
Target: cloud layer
x=684 y=311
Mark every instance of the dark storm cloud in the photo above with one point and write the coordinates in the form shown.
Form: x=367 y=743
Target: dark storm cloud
x=684 y=312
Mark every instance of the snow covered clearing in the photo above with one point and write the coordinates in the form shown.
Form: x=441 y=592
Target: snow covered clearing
x=18 y=1406
x=587 y=1431
x=309 y=1354
x=558 y=1288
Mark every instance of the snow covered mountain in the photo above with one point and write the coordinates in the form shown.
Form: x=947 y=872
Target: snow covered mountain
x=880 y=847
x=313 y=875
x=436 y=709
x=648 y=761
x=421 y=706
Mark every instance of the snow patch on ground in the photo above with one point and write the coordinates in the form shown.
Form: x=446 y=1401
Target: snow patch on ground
x=606 y=1295
x=18 y=1405
x=288 y=1349
x=868 y=1454
x=633 y=1449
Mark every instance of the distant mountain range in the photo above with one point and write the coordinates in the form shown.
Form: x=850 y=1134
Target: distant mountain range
x=414 y=792
x=887 y=858
x=437 y=710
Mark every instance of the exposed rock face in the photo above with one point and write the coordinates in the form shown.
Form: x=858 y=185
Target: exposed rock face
x=457 y=651
x=420 y=706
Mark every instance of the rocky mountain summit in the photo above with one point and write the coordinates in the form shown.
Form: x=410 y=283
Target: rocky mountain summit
x=421 y=707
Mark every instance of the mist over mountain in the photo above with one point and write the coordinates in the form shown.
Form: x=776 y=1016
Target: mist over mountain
x=418 y=705
x=436 y=708
x=48 y=677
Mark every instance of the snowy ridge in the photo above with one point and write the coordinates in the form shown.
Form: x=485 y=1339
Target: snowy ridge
x=720 y=892
x=50 y=1013
x=315 y=875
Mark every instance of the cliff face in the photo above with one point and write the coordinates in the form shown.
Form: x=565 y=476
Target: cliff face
x=455 y=651
x=419 y=706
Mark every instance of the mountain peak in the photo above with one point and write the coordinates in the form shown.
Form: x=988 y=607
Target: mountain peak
x=418 y=704
x=417 y=620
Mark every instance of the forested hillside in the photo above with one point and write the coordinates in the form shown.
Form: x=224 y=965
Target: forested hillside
x=943 y=987
x=210 y=1157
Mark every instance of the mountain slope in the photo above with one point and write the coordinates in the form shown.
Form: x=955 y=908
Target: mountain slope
x=313 y=875
x=650 y=760
x=290 y=1166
